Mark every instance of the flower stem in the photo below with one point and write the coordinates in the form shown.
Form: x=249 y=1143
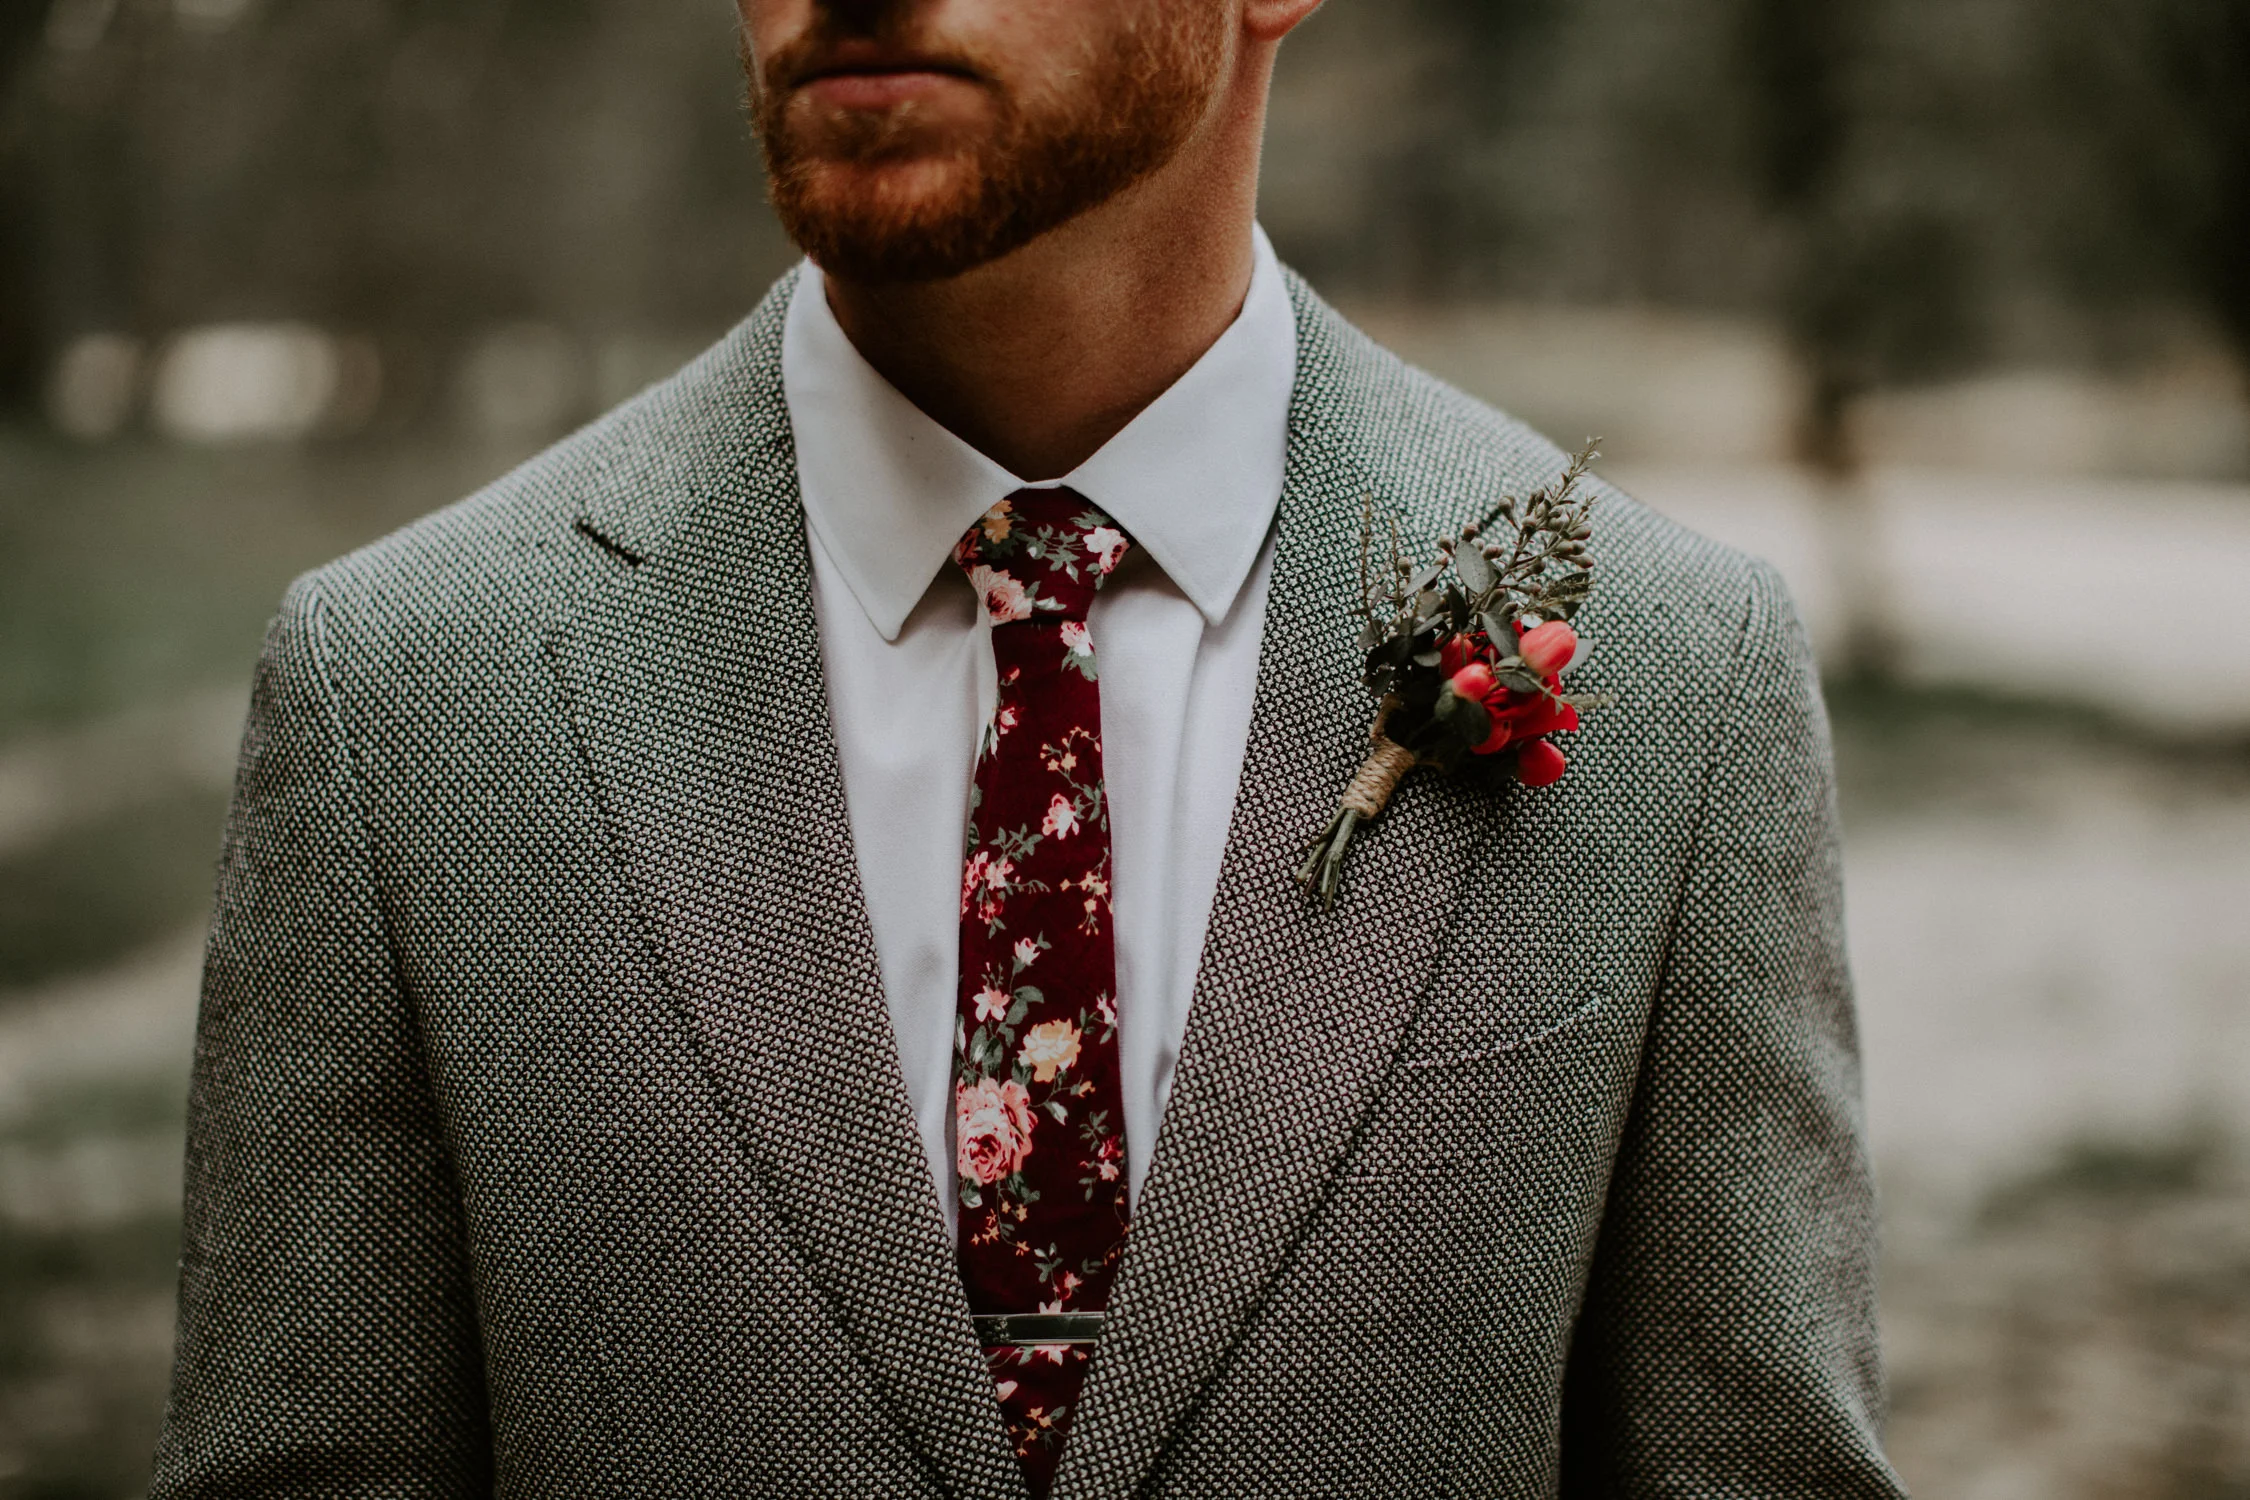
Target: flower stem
x=1323 y=869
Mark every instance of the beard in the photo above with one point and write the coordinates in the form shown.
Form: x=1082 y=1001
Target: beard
x=869 y=198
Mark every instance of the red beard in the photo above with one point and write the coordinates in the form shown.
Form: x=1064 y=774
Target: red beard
x=870 y=199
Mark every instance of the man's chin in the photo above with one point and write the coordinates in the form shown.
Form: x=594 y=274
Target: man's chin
x=914 y=196
x=914 y=220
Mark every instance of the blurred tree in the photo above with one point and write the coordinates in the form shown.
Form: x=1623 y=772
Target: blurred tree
x=1388 y=161
x=1878 y=281
x=22 y=27
x=1794 y=52
x=1797 y=55
x=1445 y=185
x=2160 y=93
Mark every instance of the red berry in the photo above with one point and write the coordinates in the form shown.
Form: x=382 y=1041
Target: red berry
x=1547 y=649
x=1457 y=652
x=1539 y=764
x=1502 y=732
x=1474 y=682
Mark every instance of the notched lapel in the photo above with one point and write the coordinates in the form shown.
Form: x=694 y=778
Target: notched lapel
x=695 y=687
x=1297 y=1014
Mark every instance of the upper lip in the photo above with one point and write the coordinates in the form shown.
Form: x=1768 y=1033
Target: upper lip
x=860 y=56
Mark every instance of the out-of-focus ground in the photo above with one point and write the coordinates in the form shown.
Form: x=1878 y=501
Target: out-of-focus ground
x=2045 y=926
x=2048 y=831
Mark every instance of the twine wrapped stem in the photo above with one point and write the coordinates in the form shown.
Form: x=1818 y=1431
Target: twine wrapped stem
x=1379 y=775
x=1370 y=791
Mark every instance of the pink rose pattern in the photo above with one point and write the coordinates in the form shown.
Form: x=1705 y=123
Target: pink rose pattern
x=992 y=1122
x=1038 y=1107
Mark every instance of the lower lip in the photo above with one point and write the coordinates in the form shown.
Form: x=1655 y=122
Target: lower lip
x=873 y=91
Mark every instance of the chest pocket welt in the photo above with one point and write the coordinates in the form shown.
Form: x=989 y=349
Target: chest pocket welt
x=1460 y=1029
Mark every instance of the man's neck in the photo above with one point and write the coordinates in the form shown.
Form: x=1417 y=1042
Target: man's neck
x=1043 y=356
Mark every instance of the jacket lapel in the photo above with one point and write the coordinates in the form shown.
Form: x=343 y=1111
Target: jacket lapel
x=1296 y=1013
x=694 y=682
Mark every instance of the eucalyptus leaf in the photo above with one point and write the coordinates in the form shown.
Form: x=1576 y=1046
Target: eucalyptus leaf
x=1502 y=633
x=1474 y=571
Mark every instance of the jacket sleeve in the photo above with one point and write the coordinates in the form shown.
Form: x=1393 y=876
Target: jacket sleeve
x=1726 y=1345
x=327 y=1335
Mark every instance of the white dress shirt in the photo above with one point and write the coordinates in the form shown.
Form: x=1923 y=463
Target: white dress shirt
x=1194 y=480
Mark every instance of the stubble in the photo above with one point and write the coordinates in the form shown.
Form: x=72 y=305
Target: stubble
x=870 y=201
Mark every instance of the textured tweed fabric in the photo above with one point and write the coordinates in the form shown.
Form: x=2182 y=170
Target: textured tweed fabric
x=548 y=1136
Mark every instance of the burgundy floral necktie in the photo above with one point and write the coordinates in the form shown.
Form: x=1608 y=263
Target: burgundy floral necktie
x=1039 y=1112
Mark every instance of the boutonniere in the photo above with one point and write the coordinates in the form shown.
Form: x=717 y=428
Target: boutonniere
x=1465 y=656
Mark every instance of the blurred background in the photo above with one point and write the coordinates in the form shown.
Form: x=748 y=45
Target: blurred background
x=1942 y=305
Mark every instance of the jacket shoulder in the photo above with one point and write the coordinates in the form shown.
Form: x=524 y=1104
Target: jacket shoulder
x=508 y=558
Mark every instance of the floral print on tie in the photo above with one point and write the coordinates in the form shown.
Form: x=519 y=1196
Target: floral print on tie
x=1039 y=1119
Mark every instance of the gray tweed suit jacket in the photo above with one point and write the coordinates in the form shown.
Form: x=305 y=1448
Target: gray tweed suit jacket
x=548 y=1135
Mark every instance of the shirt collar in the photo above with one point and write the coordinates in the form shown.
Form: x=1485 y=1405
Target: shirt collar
x=1194 y=478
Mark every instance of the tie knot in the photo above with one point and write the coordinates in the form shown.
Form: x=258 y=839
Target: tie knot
x=1040 y=555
